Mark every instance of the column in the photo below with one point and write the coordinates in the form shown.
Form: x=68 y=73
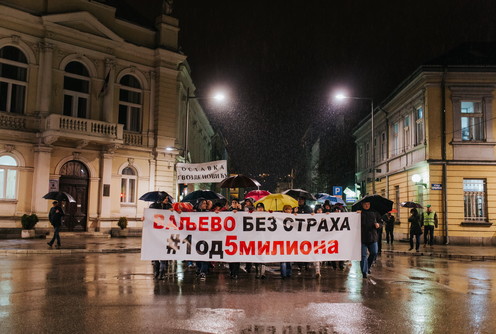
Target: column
x=45 y=80
x=41 y=176
x=105 y=179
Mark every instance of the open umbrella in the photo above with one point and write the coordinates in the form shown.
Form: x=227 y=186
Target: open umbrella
x=377 y=203
x=257 y=194
x=393 y=211
x=411 y=205
x=332 y=199
x=194 y=196
x=319 y=195
x=239 y=181
x=275 y=202
x=297 y=193
x=60 y=196
x=182 y=206
x=155 y=196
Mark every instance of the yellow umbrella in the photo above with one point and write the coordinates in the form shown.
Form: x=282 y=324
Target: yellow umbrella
x=275 y=202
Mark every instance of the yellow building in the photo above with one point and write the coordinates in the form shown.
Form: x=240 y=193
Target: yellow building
x=89 y=104
x=414 y=161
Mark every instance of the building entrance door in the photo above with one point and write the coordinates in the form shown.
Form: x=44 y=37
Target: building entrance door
x=74 y=180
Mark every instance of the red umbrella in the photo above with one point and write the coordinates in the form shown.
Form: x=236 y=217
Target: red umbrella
x=257 y=194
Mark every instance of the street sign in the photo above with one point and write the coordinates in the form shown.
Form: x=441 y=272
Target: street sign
x=436 y=186
x=351 y=199
x=337 y=191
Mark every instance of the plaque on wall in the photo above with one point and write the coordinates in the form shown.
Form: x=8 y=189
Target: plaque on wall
x=106 y=190
x=53 y=185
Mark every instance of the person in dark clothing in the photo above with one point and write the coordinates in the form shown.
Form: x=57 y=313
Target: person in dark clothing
x=415 y=229
x=160 y=266
x=202 y=266
x=302 y=206
x=336 y=264
x=389 y=219
x=370 y=223
x=234 y=266
x=164 y=204
x=55 y=217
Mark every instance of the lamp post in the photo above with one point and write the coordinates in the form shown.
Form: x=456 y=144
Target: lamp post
x=342 y=97
x=218 y=97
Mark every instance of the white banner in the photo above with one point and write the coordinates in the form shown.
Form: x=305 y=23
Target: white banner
x=207 y=172
x=250 y=237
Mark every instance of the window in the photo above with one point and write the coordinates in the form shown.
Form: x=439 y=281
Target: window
x=407 y=134
x=367 y=155
x=474 y=198
x=383 y=146
x=360 y=157
x=397 y=200
x=130 y=103
x=8 y=177
x=472 y=121
x=128 y=186
x=76 y=90
x=396 y=139
x=13 y=77
x=419 y=126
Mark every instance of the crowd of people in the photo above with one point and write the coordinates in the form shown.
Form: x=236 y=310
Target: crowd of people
x=372 y=224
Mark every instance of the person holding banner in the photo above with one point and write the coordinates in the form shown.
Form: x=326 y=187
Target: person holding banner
x=160 y=266
x=202 y=266
x=286 y=269
x=260 y=267
x=370 y=223
x=234 y=266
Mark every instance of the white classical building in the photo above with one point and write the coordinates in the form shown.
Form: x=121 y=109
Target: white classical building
x=88 y=105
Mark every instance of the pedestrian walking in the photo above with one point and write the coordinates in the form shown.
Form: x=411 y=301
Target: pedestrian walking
x=337 y=264
x=370 y=221
x=55 y=217
x=234 y=266
x=415 y=229
x=389 y=219
x=304 y=209
x=429 y=221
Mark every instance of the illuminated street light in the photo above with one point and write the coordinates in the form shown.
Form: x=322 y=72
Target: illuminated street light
x=341 y=97
x=218 y=97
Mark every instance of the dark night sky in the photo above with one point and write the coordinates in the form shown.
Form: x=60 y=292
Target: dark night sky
x=282 y=60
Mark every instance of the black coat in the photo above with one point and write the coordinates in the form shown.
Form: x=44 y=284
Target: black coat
x=160 y=205
x=55 y=216
x=415 y=227
x=369 y=231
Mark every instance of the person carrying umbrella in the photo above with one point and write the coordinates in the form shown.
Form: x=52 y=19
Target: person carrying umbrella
x=55 y=217
x=164 y=203
x=370 y=223
x=161 y=266
x=302 y=206
x=202 y=266
x=415 y=229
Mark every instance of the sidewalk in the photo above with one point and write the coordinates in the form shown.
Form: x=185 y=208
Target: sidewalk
x=74 y=244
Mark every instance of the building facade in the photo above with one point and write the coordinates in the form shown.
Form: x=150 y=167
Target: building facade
x=89 y=104
x=434 y=143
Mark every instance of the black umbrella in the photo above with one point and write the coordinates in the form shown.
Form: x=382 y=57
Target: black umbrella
x=299 y=193
x=60 y=196
x=377 y=203
x=194 y=196
x=239 y=181
x=411 y=205
x=156 y=196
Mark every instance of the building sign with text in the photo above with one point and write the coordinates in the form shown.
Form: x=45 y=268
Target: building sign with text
x=207 y=172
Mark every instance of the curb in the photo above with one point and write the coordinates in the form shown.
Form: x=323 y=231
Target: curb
x=444 y=255
x=67 y=251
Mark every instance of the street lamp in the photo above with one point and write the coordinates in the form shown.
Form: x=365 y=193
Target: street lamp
x=341 y=97
x=219 y=97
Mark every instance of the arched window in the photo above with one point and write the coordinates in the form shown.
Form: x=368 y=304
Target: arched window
x=130 y=94
x=76 y=90
x=128 y=186
x=8 y=177
x=13 y=77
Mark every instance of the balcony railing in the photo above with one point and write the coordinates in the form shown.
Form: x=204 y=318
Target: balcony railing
x=133 y=139
x=13 y=121
x=87 y=127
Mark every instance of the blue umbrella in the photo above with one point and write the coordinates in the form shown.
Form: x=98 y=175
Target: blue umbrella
x=332 y=199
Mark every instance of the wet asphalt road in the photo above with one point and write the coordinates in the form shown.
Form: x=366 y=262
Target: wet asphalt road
x=115 y=293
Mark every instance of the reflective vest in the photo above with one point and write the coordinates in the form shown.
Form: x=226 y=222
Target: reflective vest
x=429 y=218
